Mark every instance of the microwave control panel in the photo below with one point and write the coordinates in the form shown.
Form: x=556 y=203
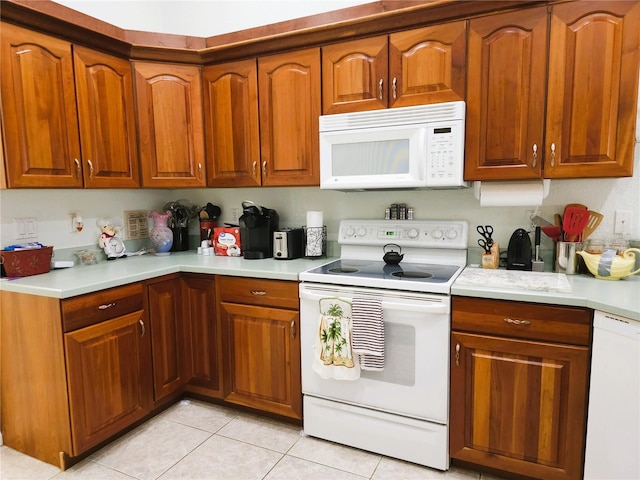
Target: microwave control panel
x=445 y=155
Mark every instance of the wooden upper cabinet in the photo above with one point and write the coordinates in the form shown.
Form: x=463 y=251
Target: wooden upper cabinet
x=289 y=86
x=39 y=110
x=104 y=89
x=506 y=83
x=414 y=67
x=593 y=89
x=231 y=120
x=170 y=125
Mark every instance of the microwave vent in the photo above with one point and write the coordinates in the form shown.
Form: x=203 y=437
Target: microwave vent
x=420 y=114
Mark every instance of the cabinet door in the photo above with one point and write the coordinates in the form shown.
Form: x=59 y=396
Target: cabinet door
x=231 y=119
x=354 y=75
x=107 y=368
x=289 y=86
x=506 y=95
x=170 y=125
x=104 y=87
x=171 y=368
x=199 y=303
x=427 y=65
x=263 y=358
x=518 y=406
x=39 y=110
x=593 y=89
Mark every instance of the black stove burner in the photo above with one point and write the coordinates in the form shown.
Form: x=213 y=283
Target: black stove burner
x=343 y=270
x=412 y=275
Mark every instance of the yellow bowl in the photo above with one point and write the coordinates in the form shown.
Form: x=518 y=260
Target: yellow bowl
x=619 y=267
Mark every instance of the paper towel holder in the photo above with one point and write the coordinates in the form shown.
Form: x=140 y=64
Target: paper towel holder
x=546 y=186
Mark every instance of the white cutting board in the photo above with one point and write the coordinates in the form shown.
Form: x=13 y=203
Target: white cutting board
x=515 y=279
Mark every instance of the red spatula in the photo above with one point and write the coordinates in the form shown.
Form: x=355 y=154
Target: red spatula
x=574 y=222
x=554 y=232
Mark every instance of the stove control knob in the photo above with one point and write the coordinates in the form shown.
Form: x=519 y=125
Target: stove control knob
x=349 y=231
x=437 y=233
x=412 y=233
x=451 y=234
x=362 y=231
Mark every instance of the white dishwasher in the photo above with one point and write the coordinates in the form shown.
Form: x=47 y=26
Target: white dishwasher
x=613 y=423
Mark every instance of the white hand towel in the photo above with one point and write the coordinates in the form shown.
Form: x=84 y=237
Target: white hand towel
x=368 y=332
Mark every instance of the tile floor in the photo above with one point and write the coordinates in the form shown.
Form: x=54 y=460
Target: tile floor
x=198 y=441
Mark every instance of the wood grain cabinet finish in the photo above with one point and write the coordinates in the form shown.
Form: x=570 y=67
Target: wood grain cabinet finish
x=593 y=89
x=170 y=125
x=106 y=114
x=518 y=397
x=262 y=344
x=39 y=110
x=289 y=101
x=506 y=87
x=231 y=121
x=169 y=338
x=205 y=343
x=58 y=136
x=413 y=67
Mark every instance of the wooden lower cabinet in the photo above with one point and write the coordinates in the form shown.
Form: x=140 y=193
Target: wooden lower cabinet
x=260 y=324
x=518 y=394
x=169 y=337
x=106 y=364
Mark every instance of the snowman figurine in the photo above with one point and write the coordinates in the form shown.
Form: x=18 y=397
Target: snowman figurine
x=110 y=238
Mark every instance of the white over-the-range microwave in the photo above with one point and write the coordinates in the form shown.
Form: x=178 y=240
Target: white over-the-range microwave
x=395 y=148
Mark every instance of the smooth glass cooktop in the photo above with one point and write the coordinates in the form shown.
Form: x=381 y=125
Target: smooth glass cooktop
x=415 y=272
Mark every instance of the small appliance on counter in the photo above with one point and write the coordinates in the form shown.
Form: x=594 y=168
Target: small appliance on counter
x=288 y=243
x=519 y=251
x=257 y=225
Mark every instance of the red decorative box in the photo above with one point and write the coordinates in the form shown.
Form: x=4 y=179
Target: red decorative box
x=23 y=263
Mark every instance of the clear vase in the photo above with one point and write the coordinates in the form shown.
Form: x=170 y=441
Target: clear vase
x=161 y=235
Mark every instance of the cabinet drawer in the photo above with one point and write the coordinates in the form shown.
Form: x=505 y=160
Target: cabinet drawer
x=258 y=291
x=558 y=324
x=97 y=307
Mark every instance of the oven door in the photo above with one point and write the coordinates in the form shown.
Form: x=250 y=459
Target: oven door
x=415 y=378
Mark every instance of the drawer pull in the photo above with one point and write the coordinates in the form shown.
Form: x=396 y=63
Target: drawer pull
x=380 y=85
x=457 y=354
x=258 y=292
x=106 y=306
x=78 y=168
x=293 y=329
x=535 y=155
x=141 y=327
x=264 y=169
x=515 y=321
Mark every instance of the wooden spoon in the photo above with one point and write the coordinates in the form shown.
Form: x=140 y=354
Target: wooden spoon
x=594 y=221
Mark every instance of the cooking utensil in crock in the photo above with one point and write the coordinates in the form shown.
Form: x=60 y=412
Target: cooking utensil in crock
x=574 y=221
x=593 y=223
x=392 y=257
x=554 y=232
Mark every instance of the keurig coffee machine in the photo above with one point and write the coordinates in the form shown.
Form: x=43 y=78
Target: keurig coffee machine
x=257 y=225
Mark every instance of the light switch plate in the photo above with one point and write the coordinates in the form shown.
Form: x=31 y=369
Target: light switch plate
x=26 y=227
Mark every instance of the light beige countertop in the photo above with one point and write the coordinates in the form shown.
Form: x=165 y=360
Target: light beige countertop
x=621 y=297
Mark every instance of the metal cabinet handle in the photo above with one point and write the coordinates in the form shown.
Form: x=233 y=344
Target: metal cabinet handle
x=380 y=84
x=457 y=355
x=394 y=88
x=78 y=169
x=200 y=171
x=258 y=292
x=535 y=154
x=255 y=164
x=105 y=306
x=553 y=154
x=142 y=327
x=90 y=163
x=293 y=329
x=264 y=169
x=515 y=321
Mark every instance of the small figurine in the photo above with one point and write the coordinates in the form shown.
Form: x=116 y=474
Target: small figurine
x=110 y=238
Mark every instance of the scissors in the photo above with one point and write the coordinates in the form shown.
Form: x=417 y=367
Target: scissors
x=486 y=232
x=485 y=244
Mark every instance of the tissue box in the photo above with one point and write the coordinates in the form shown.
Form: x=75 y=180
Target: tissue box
x=24 y=263
x=226 y=241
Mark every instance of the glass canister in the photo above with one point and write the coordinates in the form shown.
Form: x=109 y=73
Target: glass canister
x=595 y=245
x=619 y=245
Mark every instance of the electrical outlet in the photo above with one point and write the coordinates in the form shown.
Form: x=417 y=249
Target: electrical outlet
x=622 y=223
x=529 y=214
x=235 y=215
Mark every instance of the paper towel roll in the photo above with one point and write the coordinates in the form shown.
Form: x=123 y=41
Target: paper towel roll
x=511 y=194
x=314 y=219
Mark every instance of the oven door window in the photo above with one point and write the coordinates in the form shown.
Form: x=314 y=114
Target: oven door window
x=400 y=356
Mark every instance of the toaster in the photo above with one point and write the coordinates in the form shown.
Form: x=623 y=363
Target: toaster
x=287 y=243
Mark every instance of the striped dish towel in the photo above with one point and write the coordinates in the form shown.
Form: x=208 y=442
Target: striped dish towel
x=367 y=336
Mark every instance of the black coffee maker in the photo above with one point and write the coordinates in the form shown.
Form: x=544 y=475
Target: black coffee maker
x=257 y=225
